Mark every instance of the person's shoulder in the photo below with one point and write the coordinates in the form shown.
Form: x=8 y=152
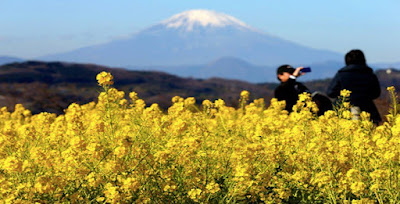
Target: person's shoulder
x=300 y=84
x=279 y=87
x=356 y=68
x=347 y=68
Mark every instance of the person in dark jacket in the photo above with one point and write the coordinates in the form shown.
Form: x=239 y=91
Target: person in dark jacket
x=360 y=79
x=289 y=89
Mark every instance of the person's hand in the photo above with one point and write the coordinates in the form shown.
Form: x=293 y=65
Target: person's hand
x=297 y=72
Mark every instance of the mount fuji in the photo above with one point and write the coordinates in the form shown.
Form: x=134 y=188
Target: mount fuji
x=197 y=37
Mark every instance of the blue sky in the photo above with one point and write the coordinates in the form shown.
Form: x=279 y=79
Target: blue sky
x=32 y=28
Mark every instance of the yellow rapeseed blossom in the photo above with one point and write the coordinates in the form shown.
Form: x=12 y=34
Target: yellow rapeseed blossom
x=124 y=151
x=194 y=194
x=391 y=88
x=11 y=164
x=104 y=78
x=345 y=93
x=245 y=94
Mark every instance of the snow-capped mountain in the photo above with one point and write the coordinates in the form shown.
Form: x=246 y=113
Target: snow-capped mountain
x=197 y=37
x=188 y=20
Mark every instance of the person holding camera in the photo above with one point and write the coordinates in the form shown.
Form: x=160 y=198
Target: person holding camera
x=360 y=79
x=289 y=89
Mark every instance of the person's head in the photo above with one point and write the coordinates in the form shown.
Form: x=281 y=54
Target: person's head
x=284 y=72
x=355 y=57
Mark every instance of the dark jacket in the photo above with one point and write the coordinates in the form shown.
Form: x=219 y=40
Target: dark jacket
x=289 y=91
x=363 y=84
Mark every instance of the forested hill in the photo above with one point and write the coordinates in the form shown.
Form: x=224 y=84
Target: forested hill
x=52 y=86
x=42 y=86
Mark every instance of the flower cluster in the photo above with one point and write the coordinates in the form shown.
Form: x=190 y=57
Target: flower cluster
x=104 y=78
x=120 y=150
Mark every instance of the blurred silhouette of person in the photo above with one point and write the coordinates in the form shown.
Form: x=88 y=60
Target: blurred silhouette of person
x=360 y=79
x=323 y=102
x=289 y=89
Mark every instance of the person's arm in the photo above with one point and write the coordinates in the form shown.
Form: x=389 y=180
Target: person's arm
x=334 y=87
x=292 y=78
x=297 y=72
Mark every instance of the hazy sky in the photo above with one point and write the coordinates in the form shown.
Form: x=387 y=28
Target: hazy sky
x=32 y=28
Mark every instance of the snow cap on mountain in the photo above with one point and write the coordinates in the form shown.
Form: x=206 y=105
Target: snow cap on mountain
x=188 y=19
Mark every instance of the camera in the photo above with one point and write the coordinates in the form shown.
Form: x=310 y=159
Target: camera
x=306 y=69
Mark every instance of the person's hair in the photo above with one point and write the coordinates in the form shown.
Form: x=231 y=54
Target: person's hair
x=355 y=57
x=285 y=68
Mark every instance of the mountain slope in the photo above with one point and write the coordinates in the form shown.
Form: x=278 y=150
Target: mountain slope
x=196 y=37
x=236 y=68
x=52 y=86
x=7 y=59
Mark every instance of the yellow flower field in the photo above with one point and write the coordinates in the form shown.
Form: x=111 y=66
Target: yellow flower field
x=122 y=151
